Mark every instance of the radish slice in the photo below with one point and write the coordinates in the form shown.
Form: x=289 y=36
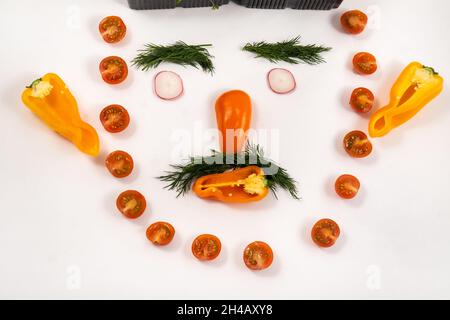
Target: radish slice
x=281 y=81
x=168 y=85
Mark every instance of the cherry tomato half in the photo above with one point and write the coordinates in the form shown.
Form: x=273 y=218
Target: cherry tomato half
x=120 y=164
x=115 y=118
x=347 y=186
x=114 y=70
x=362 y=100
x=160 y=233
x=357 y=144
x=354 y=21
x=206 y=247
x=131 y=204
x=112 y=29
x=365 y=63
x=325 y=233
x=258 y=256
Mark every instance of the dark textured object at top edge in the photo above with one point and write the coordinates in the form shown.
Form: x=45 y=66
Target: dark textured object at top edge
x=257 y=4
x=170 y=4
x=293 y=4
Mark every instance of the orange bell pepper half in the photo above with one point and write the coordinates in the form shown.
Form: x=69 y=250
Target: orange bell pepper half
x=233 y=115
x=242 y=185
x=50 y=99
x=415 y=87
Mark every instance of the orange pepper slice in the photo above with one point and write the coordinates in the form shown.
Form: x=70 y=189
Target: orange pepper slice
x=238 y=186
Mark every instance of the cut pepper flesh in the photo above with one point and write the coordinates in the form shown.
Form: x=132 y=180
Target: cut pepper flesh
x=253 y=184
x=240 y=185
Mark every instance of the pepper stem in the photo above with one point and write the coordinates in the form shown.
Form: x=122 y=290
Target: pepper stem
x=34 y=83
x=430 y=69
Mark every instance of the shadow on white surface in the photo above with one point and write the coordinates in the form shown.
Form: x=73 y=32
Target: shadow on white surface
x=12 y=93
x=268 y=203
x=122 y=2
x=110 y=205
x=211 y=114
x=345 y=98
x=328 y=186
x=335 y=21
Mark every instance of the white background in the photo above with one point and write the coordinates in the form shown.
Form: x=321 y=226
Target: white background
x=62 y=237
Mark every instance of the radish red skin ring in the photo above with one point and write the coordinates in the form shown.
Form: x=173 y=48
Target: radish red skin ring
x=179 y=92
x=289 y=74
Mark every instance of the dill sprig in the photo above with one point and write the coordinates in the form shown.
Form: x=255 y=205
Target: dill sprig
x=196 y=56
x=290 y=51
x=184 y=175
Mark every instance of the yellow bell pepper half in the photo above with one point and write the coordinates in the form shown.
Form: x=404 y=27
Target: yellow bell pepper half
x=50 y=99
x=415 y=87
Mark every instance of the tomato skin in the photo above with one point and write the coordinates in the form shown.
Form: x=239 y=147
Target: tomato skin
x=120 y=164
x=114 y=118
x=112 y=29
x=131 y=204
x=365 y=63
x=354 y=21
x=362 y=100
x=347 y=186
x=258 y=255
x=160 y=233
x=206 y=247
x=357 y=144
x=325 y=233
x=114 y=70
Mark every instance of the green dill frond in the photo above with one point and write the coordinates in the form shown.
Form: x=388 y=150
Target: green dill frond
x=181 y=177
x=196 y=56
x=290 y=51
